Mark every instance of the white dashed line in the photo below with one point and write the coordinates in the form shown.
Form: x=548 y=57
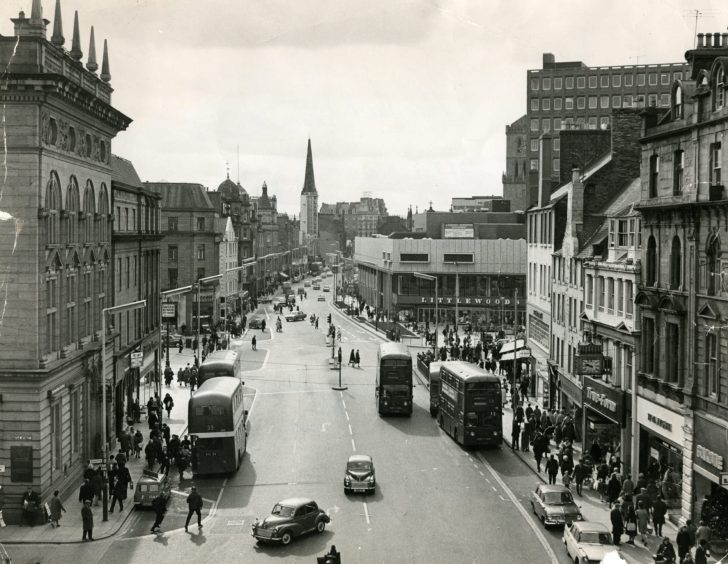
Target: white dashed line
x=350 y=431
x=347 y=415
x=366 y=512
x=481 y=473
x=353 y=445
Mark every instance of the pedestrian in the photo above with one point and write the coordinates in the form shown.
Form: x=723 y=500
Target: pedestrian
x=357 y=358
x=262 y=326
x=615 y=516
x=702 y=552
x=97 y=483
x=352 y=358
x=613 y=488
x=628 y=486
x=193 y=378
x=253 y=343
x=539 y=449
x=643 y=519
x=194 y=503
x=159 y=504
x=703 y=533
x=566 y=479
x=138 y=440
x=630 y=524
x=87 y=517
x=519 y=414
x=682 y=540
x=579 y=475
x=552 y=469
x=595 y=451
x=121 y=485
x=150 y=451
x=168 y=404
x=86 y=492
x=665 y=552
x=644 y=498
x=181 y=345
x=56 y=506
x=659 y=510
x=515 y=435
x=692 y=531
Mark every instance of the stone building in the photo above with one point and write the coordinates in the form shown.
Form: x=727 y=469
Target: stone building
x=515 y=177
x=309 y=204
x=56 y=272
x=682 y=381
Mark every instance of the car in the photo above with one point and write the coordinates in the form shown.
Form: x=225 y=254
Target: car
x=321 y=298
x=317 y=280
x=149 y=485
x=317 y=286
x=295 y=316
x=289 y=519
x=554 y=505
x=256 y=322
x=588 y=542
x=327 y=288
x=307 y=284
x=359 y=475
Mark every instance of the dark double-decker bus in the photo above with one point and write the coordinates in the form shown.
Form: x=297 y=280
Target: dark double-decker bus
x=217 y=417
x=393 y=389
x=470 y=408
x=219 y=363
x=434 y=382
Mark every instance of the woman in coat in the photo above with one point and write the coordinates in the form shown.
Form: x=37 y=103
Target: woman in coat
x=630 y=524
x=613 y=488
x=56 y=509
x=643 y=518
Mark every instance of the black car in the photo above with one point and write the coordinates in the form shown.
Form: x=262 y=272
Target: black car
x=256 y=322
x=290 y=518
x=359 y=475
x=295 y=316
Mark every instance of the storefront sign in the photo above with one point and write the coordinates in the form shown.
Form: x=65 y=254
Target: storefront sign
x=660 y=420
x=710 y=448
x=458 y=231
x=712 y=458
x=169 y=312
x=604 y=399
x=571 y=389
x=136 y=359
x=444 y=301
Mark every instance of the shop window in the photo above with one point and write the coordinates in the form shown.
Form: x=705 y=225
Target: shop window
x=672 y=353
x=710 y=386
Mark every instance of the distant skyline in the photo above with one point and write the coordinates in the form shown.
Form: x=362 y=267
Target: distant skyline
x=406 y=100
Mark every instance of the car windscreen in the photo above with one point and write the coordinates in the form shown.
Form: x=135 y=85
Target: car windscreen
x=359 y=466
x=558 y=498
x=594 y=537
x=283 y=511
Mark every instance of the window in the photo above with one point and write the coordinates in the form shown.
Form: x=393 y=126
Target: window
x=651 y=266
x=620 y=297
x=664 y=100
x=75 y=421
x=677 y=173
x=557 y=104
x=556 y=165
x=557 y=124
x=458 y=257
x=126 y=219
x=200 y=273
x=557 y=83
x=200 y=224
x=604 y=102
x=627 y=101
x=56 y=437
x=665 y=79
x=546 y=125
x=649 y=349
x=414 y=257
x=604 y=81
x=653 y=79
x=604 y=122
x=719 y=88
x=534 y=124
x=556 y=144
x=172 y=275
x=677 y=111
x=713 y=264
x=534 y=145
x=534 y=104
x=654 y=175
x=622 y=235
x=601 y=287
x=534 y=164
x=172 y=253
x=569 y=82
x=616 y=101
x=715 y=164
x=628 y=79
x=51 y=314
x=171 y=224
x=675 y=264
x=593 y=102
x=592 y=122
x=592 y=82
x=640 y=80
x=128 y=272
x=534 y=84
x=201 y=252
x=546 y=84
x=628 y=299
x=569 y=103
x=546 y=104
x=617 y=80
x=710 y=386
x=672 y=352
x=610 y=295
x=652 y=100
x=631 y=232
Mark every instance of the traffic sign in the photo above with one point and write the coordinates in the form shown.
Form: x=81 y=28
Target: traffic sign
x=96 y=460
x=136 y=359
x=169 y=311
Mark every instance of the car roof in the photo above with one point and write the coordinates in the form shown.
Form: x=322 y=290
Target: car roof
x=592 y=526
x=360 y=458
x=295 y=501
x=553 y=488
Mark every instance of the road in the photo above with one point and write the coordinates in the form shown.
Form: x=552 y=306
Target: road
x=435 y=502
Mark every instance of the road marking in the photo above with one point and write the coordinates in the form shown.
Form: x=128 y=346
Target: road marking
x=239 y=523
x=350 y=431
x=213 y=509
x=531 y=523
x=481 y=473
x=494 y=488
x=366 y=512
x=502 y=498
x=347 y=415
x=342 y=401
x=353 y=445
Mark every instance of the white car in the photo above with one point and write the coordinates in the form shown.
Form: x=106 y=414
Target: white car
x=327 y=288
x=588 y=542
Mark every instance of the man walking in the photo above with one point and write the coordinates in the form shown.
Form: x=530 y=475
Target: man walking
x=659 y=510
x=579 y=474
x=552 y=469
x=87 y=516
x=615 y=517
x=253 y=343
x=194 y=502
x=159 y=504
x=168 y=404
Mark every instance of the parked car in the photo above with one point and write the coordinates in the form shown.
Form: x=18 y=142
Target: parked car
x=289 y=519
x=256 y=322
x=316 y=286
x=327 y=288
x=554 y=505
x=307 y=284
x=321 y=298
x=295 y=316
x=587 y=542
x=359 y=475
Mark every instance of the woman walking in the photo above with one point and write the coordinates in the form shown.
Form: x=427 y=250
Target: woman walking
x=630 y=524
x=643 y=518
x=56 y=509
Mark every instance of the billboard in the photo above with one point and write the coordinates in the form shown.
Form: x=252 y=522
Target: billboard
x=458 y=231
x=169 y=312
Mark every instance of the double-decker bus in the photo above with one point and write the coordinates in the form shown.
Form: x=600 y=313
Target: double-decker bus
x=434 y=382
x=216 y=419
x=219 y=363
x=470 y=408
x=393 y=389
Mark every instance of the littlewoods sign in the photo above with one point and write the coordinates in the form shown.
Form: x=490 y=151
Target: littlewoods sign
x=466 y=301
x=601 y=399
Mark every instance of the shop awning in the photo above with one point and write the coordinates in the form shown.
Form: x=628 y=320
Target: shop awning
x=283 y=275
x=520 y=354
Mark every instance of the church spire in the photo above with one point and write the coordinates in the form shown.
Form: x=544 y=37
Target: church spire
x=76 y=52
x=309 y=182
x=57 y=37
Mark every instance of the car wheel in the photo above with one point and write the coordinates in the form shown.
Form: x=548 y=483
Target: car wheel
x=286 y=538
x=346 y=491
x=320 y=526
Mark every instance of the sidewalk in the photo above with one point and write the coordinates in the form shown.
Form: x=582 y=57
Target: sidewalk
x=71 y=524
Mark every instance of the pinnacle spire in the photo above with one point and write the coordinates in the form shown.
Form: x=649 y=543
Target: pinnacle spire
x=91 y=63
x=105 y=72
x=309 y=182
x=57 y=37
x=36 y=12
x=76 y=52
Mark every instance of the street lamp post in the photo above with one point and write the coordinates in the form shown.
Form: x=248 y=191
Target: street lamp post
x=165 y=296
x=339 y=388
x=200 y=282
x=431 y=278
x=131 y=306
x=515 y=342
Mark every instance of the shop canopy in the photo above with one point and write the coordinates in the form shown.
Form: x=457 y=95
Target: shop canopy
x=518 y=347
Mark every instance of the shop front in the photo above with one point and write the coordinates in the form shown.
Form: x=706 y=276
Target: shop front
x=605 y=416
x=711 y=476
x=661 y=443
x=572 y=401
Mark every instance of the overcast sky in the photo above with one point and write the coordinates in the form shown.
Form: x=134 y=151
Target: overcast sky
x=405 y=99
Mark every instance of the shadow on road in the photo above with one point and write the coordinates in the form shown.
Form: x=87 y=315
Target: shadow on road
x=420 y=423
x=309 y=545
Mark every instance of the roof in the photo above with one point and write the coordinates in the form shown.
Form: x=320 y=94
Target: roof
x=360 y=458
x=553 y=488
x=588 y=172
x=394 y=349
x=591 y=526
x=296 y=501
x=309 y=182
x=123 y=171
x=229 y=190
x=264 y=201
x=181 y=195
x=214 y=387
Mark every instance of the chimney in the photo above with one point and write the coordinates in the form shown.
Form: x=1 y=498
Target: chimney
x=575 y=211
x=548 y=60
x=700 y=40
x=544 y=170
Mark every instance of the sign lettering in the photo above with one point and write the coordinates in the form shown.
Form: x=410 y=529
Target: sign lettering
x=601 y=399
x=659 y=422
x=712 y=458
x=462 y=301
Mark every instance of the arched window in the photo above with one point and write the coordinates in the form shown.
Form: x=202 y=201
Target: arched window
x=677 y=103
x=72 y=273
x=52 y=291
x=89 y=206
x=713 y=264
x=72 y=208
x=53 y=209
x=675 y=263
x=718 y=86
x=104 y=230
x=651 y=267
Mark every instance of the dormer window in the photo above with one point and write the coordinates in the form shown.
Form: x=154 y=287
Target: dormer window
x=719 y=89
x=678 y=103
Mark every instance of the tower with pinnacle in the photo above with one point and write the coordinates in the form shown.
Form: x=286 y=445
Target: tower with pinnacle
x=309 y=202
